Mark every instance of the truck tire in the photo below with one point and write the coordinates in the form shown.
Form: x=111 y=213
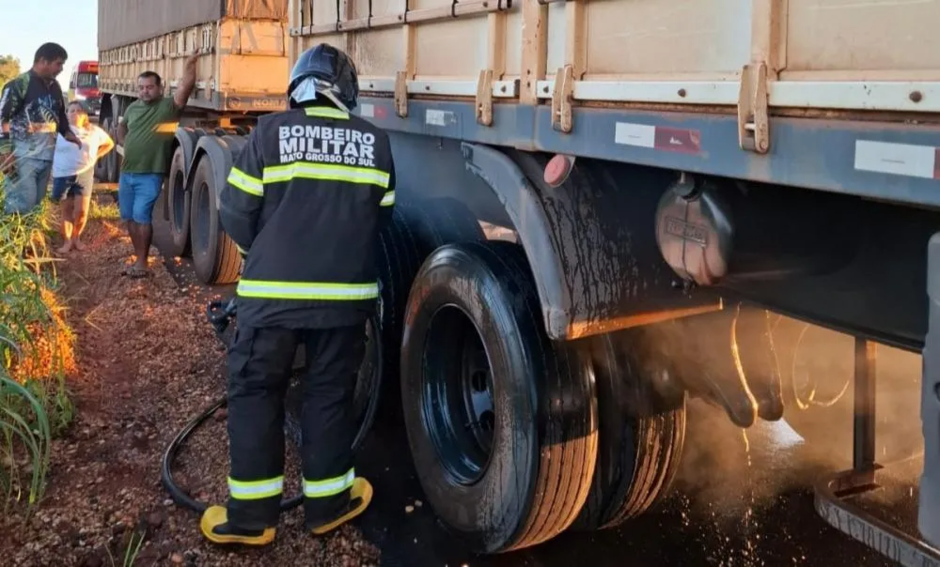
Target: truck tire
x=641 y=434
x=215 y=257
x=416 y=230
x=178 y=206
x=112 y=162
x=366 y=396
x=101 y=165
x=436 y=222
x=501 y=422
x=398 y=262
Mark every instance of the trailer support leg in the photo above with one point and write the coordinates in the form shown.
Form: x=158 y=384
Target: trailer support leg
x=834 y=495
x=863 y=430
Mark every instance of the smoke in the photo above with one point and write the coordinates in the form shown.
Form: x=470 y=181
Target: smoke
x=729 y=472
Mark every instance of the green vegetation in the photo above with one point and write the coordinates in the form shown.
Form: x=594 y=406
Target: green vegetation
x=131 y=551
x=35 y=356
x=9 y=68
x=104 y=211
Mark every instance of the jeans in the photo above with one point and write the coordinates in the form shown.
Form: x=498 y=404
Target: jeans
x=69 y=186
x=137 y=194
x=26 y=188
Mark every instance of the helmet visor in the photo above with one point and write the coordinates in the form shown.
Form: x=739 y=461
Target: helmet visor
x=311 y=88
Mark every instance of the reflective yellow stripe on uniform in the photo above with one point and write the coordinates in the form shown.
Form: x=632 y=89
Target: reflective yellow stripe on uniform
x=245 y=182
x=389 y=199
x=327 y=172
x=255 y=489
x=327 y=113
x=241 y=250
x=330 y=486
x=307 y=290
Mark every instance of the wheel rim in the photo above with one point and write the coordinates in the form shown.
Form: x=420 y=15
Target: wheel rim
x=178 y=206
x=200 y=231
x=458 y=411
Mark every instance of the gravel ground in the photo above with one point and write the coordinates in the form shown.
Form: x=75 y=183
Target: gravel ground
x=147 y=363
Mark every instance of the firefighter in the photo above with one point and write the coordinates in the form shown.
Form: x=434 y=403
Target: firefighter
x=304 y=203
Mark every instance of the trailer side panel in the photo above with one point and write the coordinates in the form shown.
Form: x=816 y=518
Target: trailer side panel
x=122 y=22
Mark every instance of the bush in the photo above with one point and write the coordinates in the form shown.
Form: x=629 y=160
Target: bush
x=35 y=356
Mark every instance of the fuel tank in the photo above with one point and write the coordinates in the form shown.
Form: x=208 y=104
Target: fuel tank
x=713 y=231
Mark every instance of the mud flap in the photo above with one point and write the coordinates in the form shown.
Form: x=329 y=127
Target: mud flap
x=928 y=513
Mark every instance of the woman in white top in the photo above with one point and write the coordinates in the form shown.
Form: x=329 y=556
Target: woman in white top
x=73 y=173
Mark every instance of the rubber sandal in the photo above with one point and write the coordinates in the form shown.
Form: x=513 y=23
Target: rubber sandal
x=134 y=272
x=362 y=491
x=215 y=527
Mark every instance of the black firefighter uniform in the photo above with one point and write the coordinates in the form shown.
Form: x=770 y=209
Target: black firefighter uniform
x=304 y=202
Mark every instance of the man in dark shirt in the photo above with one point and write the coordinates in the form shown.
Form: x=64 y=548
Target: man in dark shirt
x=32 y=112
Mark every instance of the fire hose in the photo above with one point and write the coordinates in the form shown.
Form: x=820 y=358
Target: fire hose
x=220 y=315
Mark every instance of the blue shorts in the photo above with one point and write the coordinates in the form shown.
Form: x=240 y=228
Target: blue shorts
x=69 y=186
x=26 y=188
x=137 y=194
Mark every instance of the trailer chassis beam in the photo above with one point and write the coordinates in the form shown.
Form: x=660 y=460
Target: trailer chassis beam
x=832 y=495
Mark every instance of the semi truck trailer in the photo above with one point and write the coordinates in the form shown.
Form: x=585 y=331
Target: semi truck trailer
x=241 y=69
x=604 y=208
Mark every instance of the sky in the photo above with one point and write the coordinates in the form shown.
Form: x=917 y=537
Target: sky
x=27 y=24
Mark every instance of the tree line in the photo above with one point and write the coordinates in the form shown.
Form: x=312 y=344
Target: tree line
x=9 y=68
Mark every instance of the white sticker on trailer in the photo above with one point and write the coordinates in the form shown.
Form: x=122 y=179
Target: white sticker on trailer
x=639 y=135
x=368 y=111
x=897 y=159
x=435 y=117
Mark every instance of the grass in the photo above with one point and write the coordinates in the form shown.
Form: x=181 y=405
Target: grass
x=131 y=551
x=35 y=356
x=104 y=211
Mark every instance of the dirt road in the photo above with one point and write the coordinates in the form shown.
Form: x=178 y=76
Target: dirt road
x=147 y=362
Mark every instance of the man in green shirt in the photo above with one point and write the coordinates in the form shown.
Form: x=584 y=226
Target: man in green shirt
x=146 y=132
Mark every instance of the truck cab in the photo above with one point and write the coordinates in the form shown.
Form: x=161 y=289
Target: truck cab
x=83 y=86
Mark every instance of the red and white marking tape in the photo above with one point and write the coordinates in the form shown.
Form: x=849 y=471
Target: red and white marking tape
x=658 y=138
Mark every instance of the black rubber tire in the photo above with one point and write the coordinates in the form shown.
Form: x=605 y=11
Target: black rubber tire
x=365 y=399
x=101 y=165
x=216 y=259
x=416 y=230
x=436 y=222
x=544 y=441
x=112 y=161
x=641 y=432
x=116 y=161
x=399 y=261
x=177 y=206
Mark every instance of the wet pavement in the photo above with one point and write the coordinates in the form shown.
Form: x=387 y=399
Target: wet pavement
x=738 y=501
x=730 y=507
